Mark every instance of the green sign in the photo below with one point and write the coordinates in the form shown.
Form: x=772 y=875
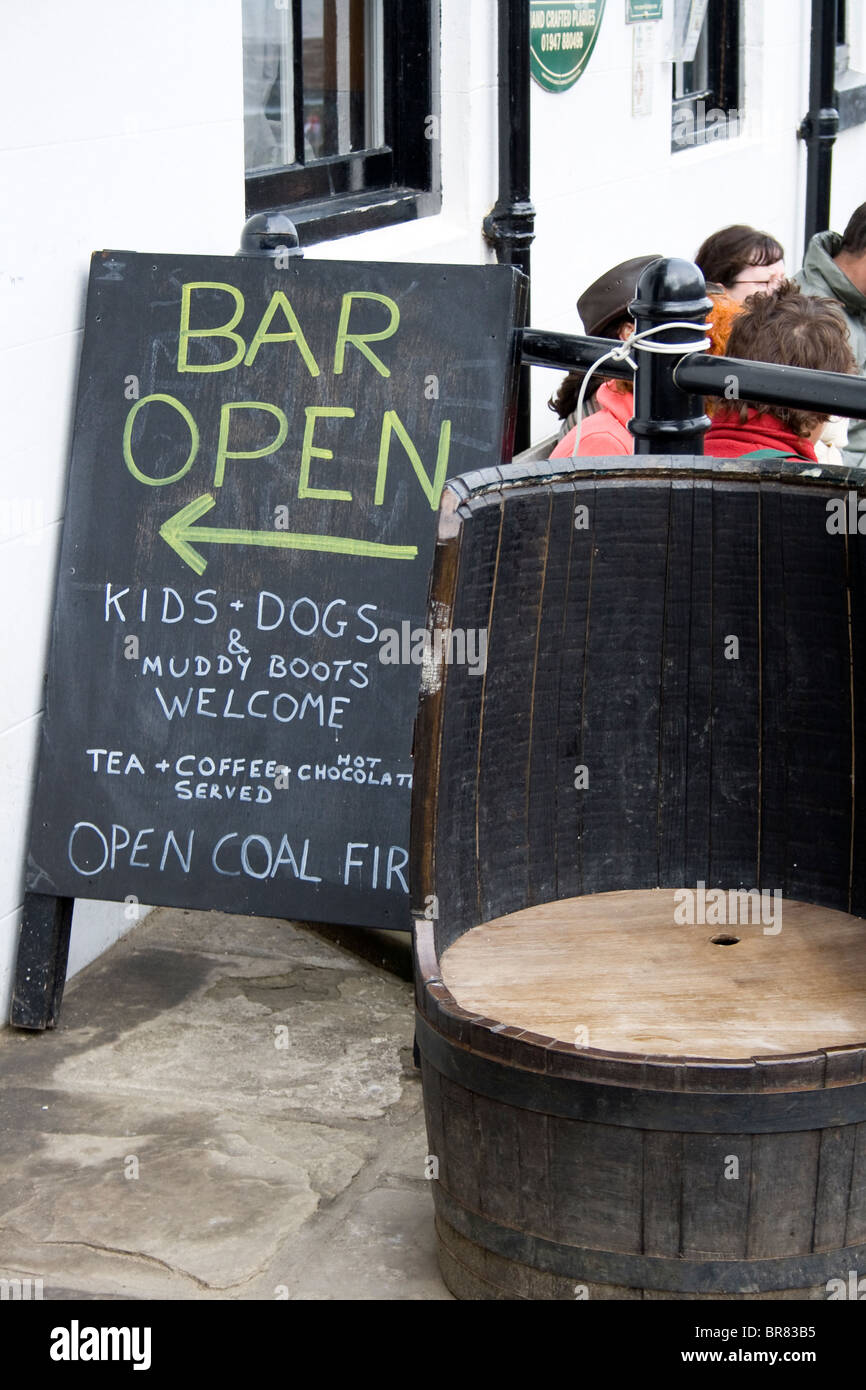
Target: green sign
x=562 y=38
x=637 y=11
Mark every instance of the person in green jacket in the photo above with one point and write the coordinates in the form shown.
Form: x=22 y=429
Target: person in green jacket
x=835 y=267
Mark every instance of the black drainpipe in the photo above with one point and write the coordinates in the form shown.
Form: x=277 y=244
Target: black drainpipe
x=821 y=125
x=510 y=227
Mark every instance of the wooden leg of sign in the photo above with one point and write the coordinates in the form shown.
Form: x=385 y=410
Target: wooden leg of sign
x=43 y=948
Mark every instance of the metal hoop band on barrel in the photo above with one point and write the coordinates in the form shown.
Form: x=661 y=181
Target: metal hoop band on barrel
x=659 y=1274
x=684 y=1112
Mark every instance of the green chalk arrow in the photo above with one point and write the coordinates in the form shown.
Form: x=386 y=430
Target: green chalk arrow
x=181 y=528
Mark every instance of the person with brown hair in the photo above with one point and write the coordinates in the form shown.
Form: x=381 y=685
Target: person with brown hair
x=793 y=330
x=742 y=260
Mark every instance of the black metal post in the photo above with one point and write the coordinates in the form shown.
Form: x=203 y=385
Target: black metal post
x=667 y=419
x=821 y=125
x=510 y=226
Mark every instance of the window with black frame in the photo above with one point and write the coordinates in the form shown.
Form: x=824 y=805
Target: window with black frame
x=339 y=127
x=706 y=78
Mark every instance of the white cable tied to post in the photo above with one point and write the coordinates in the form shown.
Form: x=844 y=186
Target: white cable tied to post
x=640 y=341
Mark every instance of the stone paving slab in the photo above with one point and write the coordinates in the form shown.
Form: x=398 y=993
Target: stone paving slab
x=227 y=1110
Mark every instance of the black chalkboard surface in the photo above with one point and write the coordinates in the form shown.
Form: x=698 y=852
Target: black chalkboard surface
x=258 y=454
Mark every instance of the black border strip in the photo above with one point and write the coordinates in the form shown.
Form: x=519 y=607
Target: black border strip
x=677 y=1112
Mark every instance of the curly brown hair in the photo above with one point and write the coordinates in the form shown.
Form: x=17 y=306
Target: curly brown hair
x=794 y=330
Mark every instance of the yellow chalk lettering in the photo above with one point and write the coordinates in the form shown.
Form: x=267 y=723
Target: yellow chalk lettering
x=183 y=363
x=309 y=452
x=294 y=335
x=127 y=441
x=360 y=340
x=391 y=423
x=224 y=452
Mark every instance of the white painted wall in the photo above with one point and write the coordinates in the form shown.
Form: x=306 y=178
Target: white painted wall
x=849 y=177
x=122 y=125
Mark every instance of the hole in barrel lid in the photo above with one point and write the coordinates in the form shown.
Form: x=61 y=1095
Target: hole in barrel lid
x=724 y=940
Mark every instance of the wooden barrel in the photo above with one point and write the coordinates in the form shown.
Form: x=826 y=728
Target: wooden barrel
x=625 y=1100
x=732 y=1165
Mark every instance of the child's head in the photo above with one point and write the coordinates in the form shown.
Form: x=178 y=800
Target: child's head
x=793 y=330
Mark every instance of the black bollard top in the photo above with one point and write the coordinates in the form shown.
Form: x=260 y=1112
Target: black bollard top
x=668 y=419
x=671 y=288
x=269 y=234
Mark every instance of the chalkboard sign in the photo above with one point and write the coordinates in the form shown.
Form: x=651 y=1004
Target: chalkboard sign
x=258 y=454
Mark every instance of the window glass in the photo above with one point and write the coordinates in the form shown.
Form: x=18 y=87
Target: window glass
x=706 y=75
x=338 y=101
x=269 y=130
x=691 y=79
x=336 y=71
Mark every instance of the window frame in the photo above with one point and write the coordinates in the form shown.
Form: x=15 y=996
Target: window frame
x=342 y=195
x=722 y=32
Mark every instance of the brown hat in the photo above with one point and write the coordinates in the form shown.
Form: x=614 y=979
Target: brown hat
x=608 y=297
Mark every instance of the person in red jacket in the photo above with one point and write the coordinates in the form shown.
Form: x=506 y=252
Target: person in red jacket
x=793 y=330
